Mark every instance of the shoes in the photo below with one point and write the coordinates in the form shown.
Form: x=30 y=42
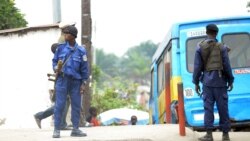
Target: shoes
x=207 y=137
x=77 y=133
x=56 y=134
x=38 y=121
x=66 y=128
x=225 y=137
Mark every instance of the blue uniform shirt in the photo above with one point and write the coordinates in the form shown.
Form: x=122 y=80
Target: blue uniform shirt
x=77 y=65
x=211 y=78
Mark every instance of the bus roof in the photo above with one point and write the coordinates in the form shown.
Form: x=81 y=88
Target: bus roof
x=173 y=33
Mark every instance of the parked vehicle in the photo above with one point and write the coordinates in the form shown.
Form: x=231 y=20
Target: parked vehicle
x=173 y=63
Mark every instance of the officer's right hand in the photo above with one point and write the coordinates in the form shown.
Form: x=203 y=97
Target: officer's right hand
x=198 y=89
x=83 y=89
x=230 y=87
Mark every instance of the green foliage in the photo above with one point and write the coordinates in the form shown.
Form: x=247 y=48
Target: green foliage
x=134 y=65
x=10 y=16
x=119 y=77
x=146 y=49
x=108 y=63
x=120 y=94
x=248 y=4
x=137 y=61
x=96 y=72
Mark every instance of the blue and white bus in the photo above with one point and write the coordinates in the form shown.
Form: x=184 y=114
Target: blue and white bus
x=173 y=63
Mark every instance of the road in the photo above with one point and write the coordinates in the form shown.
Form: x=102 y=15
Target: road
x=166 y=132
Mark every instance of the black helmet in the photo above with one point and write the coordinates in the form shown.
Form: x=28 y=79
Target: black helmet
x=71 y=30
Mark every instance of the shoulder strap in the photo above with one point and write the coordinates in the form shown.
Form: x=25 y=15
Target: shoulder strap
x=68 y=58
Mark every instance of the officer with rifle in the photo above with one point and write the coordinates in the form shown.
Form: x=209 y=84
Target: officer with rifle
x=71 y=80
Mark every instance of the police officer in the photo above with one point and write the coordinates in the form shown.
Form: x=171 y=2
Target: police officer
x=212 y=68
x=63 y=26
x=71 y=80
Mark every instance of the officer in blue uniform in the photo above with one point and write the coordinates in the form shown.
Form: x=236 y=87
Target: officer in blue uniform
x=212 y=68
x=71 y=80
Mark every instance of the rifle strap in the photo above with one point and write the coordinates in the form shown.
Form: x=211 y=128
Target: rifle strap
x=68 y=58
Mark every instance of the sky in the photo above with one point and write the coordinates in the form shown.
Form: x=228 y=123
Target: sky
x=121 y=24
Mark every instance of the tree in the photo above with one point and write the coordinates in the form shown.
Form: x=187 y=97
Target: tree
x=121 y=94
x=137 y=61
x=134 y=65
x=248 y=6
x=109 y=63
x=10 y=16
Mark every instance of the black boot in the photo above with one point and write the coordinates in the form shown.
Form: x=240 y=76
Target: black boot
x=225 y=137
x=207 y=137
x=77 y=133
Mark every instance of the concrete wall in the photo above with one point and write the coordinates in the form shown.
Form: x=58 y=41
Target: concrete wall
x=25 y=59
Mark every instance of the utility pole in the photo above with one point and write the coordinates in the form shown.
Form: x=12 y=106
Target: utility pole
x=86 y=40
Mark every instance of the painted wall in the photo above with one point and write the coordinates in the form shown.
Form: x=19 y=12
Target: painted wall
x=25 y=60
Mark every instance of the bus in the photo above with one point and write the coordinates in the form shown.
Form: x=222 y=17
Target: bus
x=173 y=61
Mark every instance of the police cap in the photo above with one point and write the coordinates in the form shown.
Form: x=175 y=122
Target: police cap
x=212 y=27
x=71 y=30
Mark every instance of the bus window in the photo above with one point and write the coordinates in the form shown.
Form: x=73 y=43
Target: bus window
x=239 y=44
x=190 y=49
x=160 y=76
x=152 y=83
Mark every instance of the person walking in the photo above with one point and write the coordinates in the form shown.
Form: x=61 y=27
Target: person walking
x=39 y=116
x=212 y=68
x=71 y=80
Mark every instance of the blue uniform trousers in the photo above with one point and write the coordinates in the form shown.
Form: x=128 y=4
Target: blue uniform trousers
x=67 y=85
x=50 y=111
x=220 y=96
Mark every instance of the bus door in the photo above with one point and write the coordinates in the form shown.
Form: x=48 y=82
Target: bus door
x=237 y=38
x=189 y=38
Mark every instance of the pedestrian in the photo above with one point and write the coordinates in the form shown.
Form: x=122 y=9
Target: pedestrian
x=92 y=118
x=39 y=116
x=133 y=120
x=212 y=68
x=71 y=80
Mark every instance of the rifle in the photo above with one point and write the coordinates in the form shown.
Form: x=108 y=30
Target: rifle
x=60 y=65
x=55 y=75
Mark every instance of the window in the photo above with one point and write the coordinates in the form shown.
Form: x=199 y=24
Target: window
x=166 y=58
x=190 y=49
x=152 y=83
x=240 y=49
x=160 y=76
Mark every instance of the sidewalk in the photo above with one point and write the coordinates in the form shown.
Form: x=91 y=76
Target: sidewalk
x=169 y=132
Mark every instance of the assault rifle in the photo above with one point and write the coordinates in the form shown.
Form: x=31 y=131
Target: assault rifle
x=53 y=77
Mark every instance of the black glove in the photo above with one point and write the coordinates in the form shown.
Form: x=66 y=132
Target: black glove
x=198 y=90
x=230 y=87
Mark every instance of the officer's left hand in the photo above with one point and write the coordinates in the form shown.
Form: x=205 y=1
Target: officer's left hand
x=83 y=88
x=198 y=89
x=230 y=87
